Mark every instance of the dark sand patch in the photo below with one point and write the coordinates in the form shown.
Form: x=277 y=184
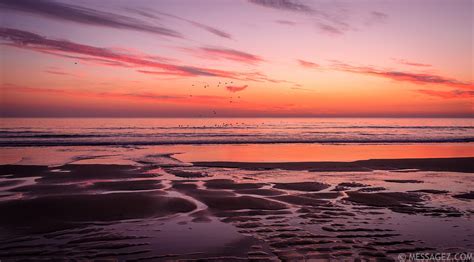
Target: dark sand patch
x=392 y=243
x=74 y=179
x=371 y=189
x=83 y=172
x=401 y=202
x=344 y=186
x=230 y=184
x=9 y=183
x=53 y=211
x=302 y=186
x=127 y=185
x=461 y=164
x=186 y=174
x=313 y=166
x=301 y=200
x=403 y=181
x=430 y=191
x=234 y=219
x=469 y=195
x=292 y=242
x=323 y=195
x=358 y=229
x=384 y=199
x=352 y=184
x=43 y=190
x=22 y=170
x=261 y=191
x=251 y=213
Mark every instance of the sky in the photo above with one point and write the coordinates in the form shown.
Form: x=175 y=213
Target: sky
x=236 y=58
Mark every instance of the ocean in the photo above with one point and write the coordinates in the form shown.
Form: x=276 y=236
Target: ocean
x=16 y=132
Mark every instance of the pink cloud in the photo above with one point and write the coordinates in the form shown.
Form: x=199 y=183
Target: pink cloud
x=285 y=22
x=447 y=94
x=330 y=29
x=303 y=89
x=58 y=72
x=145 y=96
x=415 y=78
x=27 y=40
x=307 y=64
x=154 y=15
x=410 y=63
x=234 y=89
x=112 y=57
x=83 y=15
x=218 y=53
x=376 y=17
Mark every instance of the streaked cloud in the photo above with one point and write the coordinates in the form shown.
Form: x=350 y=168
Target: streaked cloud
x=219 y=53
x=415 y=78
x=302 y=89
x=330 y=21
x=58 y=72
x=447 y=94
x=288 y=5
x=329 y=29
x=83 y=15
x=234 y=89
x=285 y=22
x=307 y=64
x=28 y=40
x=157 y=15
x=376 y=17
x=379 y=15
x=260 y=77
x=212 y=30
x=144 y=96
x=111 y=57
x=410 y=63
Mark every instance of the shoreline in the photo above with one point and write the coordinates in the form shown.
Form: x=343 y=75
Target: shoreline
x=247 y=143
x=454 y=164
x=448 y=164
x=268 y=153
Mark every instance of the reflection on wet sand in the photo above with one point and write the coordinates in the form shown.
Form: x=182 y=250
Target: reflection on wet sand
x=169 y=210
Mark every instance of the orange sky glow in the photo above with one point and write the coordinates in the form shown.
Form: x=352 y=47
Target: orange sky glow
x=237 y=58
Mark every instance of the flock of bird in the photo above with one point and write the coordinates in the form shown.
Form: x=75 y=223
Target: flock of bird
x=206 y=85
x=236 y=124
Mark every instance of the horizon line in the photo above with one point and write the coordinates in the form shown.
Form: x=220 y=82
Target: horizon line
x=210 y=117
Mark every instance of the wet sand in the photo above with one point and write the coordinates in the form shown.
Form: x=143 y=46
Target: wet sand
x=465 y=164
x=235 y=211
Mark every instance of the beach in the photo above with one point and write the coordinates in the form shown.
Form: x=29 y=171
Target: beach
x=158 y=203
